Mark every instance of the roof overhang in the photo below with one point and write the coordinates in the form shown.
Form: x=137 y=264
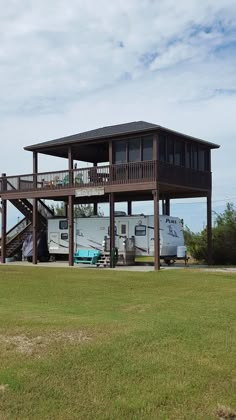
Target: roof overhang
x=84 y=146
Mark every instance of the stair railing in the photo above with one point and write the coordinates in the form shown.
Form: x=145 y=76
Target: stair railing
x=15 y=230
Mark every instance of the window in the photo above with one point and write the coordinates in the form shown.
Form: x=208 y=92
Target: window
x=134 y=150
x=188 y=156
x=120 y=152
x=162 y=148
x=140 y=230
x=194 y=159
x=64 y=236
x=123 y=229
x=207 y=160
x=201 y=159
x=170 y=151
x=147 y=148
x=63 y=224
x=179 y=153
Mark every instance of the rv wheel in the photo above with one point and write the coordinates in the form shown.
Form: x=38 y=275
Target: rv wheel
x=169 y=261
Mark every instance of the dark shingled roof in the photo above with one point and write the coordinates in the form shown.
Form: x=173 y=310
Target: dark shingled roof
x=110 y=131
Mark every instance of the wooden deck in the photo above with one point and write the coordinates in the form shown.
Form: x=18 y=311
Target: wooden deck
x=103 y=176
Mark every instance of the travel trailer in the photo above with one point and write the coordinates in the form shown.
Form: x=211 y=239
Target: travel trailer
x=93 y=233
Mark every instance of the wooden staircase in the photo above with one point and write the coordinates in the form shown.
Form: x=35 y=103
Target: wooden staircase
x=104 y=259
x=14 y=242
x=26 y=208
x=17 y=235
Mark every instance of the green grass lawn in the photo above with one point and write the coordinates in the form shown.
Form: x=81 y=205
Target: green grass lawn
x=97 y=344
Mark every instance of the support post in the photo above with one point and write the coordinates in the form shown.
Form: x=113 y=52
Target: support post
x=4 y=231
x=155 y=157
x=35 y=162
x=70 y=166
x=209 y=229
x=66 y=209
x=163 y=207
x=112 y=228
x=35 y=168
x=35 y=231
x=95 y=209
x=95 y=205
x=155 y=146
x=110 y=152
x=129 y=208
x=71 y=229
x=156 y=230
x=167 y=206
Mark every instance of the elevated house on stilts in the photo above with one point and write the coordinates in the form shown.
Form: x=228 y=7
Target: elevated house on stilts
x=136 y=161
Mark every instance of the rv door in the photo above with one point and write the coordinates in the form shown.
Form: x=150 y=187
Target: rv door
x=53 y=241
x=122 y=233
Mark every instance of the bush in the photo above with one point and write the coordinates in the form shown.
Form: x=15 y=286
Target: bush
x=223 y=239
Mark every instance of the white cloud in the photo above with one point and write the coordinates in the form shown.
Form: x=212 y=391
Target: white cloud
x=52 y=50
x=65 y=68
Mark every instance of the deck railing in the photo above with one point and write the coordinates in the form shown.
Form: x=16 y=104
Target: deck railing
x=186 y=177
x=125 y=173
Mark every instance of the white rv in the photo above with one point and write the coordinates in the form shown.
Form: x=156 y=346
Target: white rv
x=90 y=233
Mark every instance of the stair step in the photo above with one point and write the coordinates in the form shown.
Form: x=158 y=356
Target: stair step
x=104 y=259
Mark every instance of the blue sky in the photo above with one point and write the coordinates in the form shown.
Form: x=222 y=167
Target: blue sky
x=66 y=68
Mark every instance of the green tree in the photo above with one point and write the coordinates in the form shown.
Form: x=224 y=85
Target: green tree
x=223 y=239
x=80 y=210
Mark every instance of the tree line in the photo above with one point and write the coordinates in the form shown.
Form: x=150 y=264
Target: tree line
x=80 y=210
x=223 y=239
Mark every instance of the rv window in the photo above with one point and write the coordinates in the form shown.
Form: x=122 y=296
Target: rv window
x=63 y=224
x=140 y=230
x=64 y=236
x=123 y=229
